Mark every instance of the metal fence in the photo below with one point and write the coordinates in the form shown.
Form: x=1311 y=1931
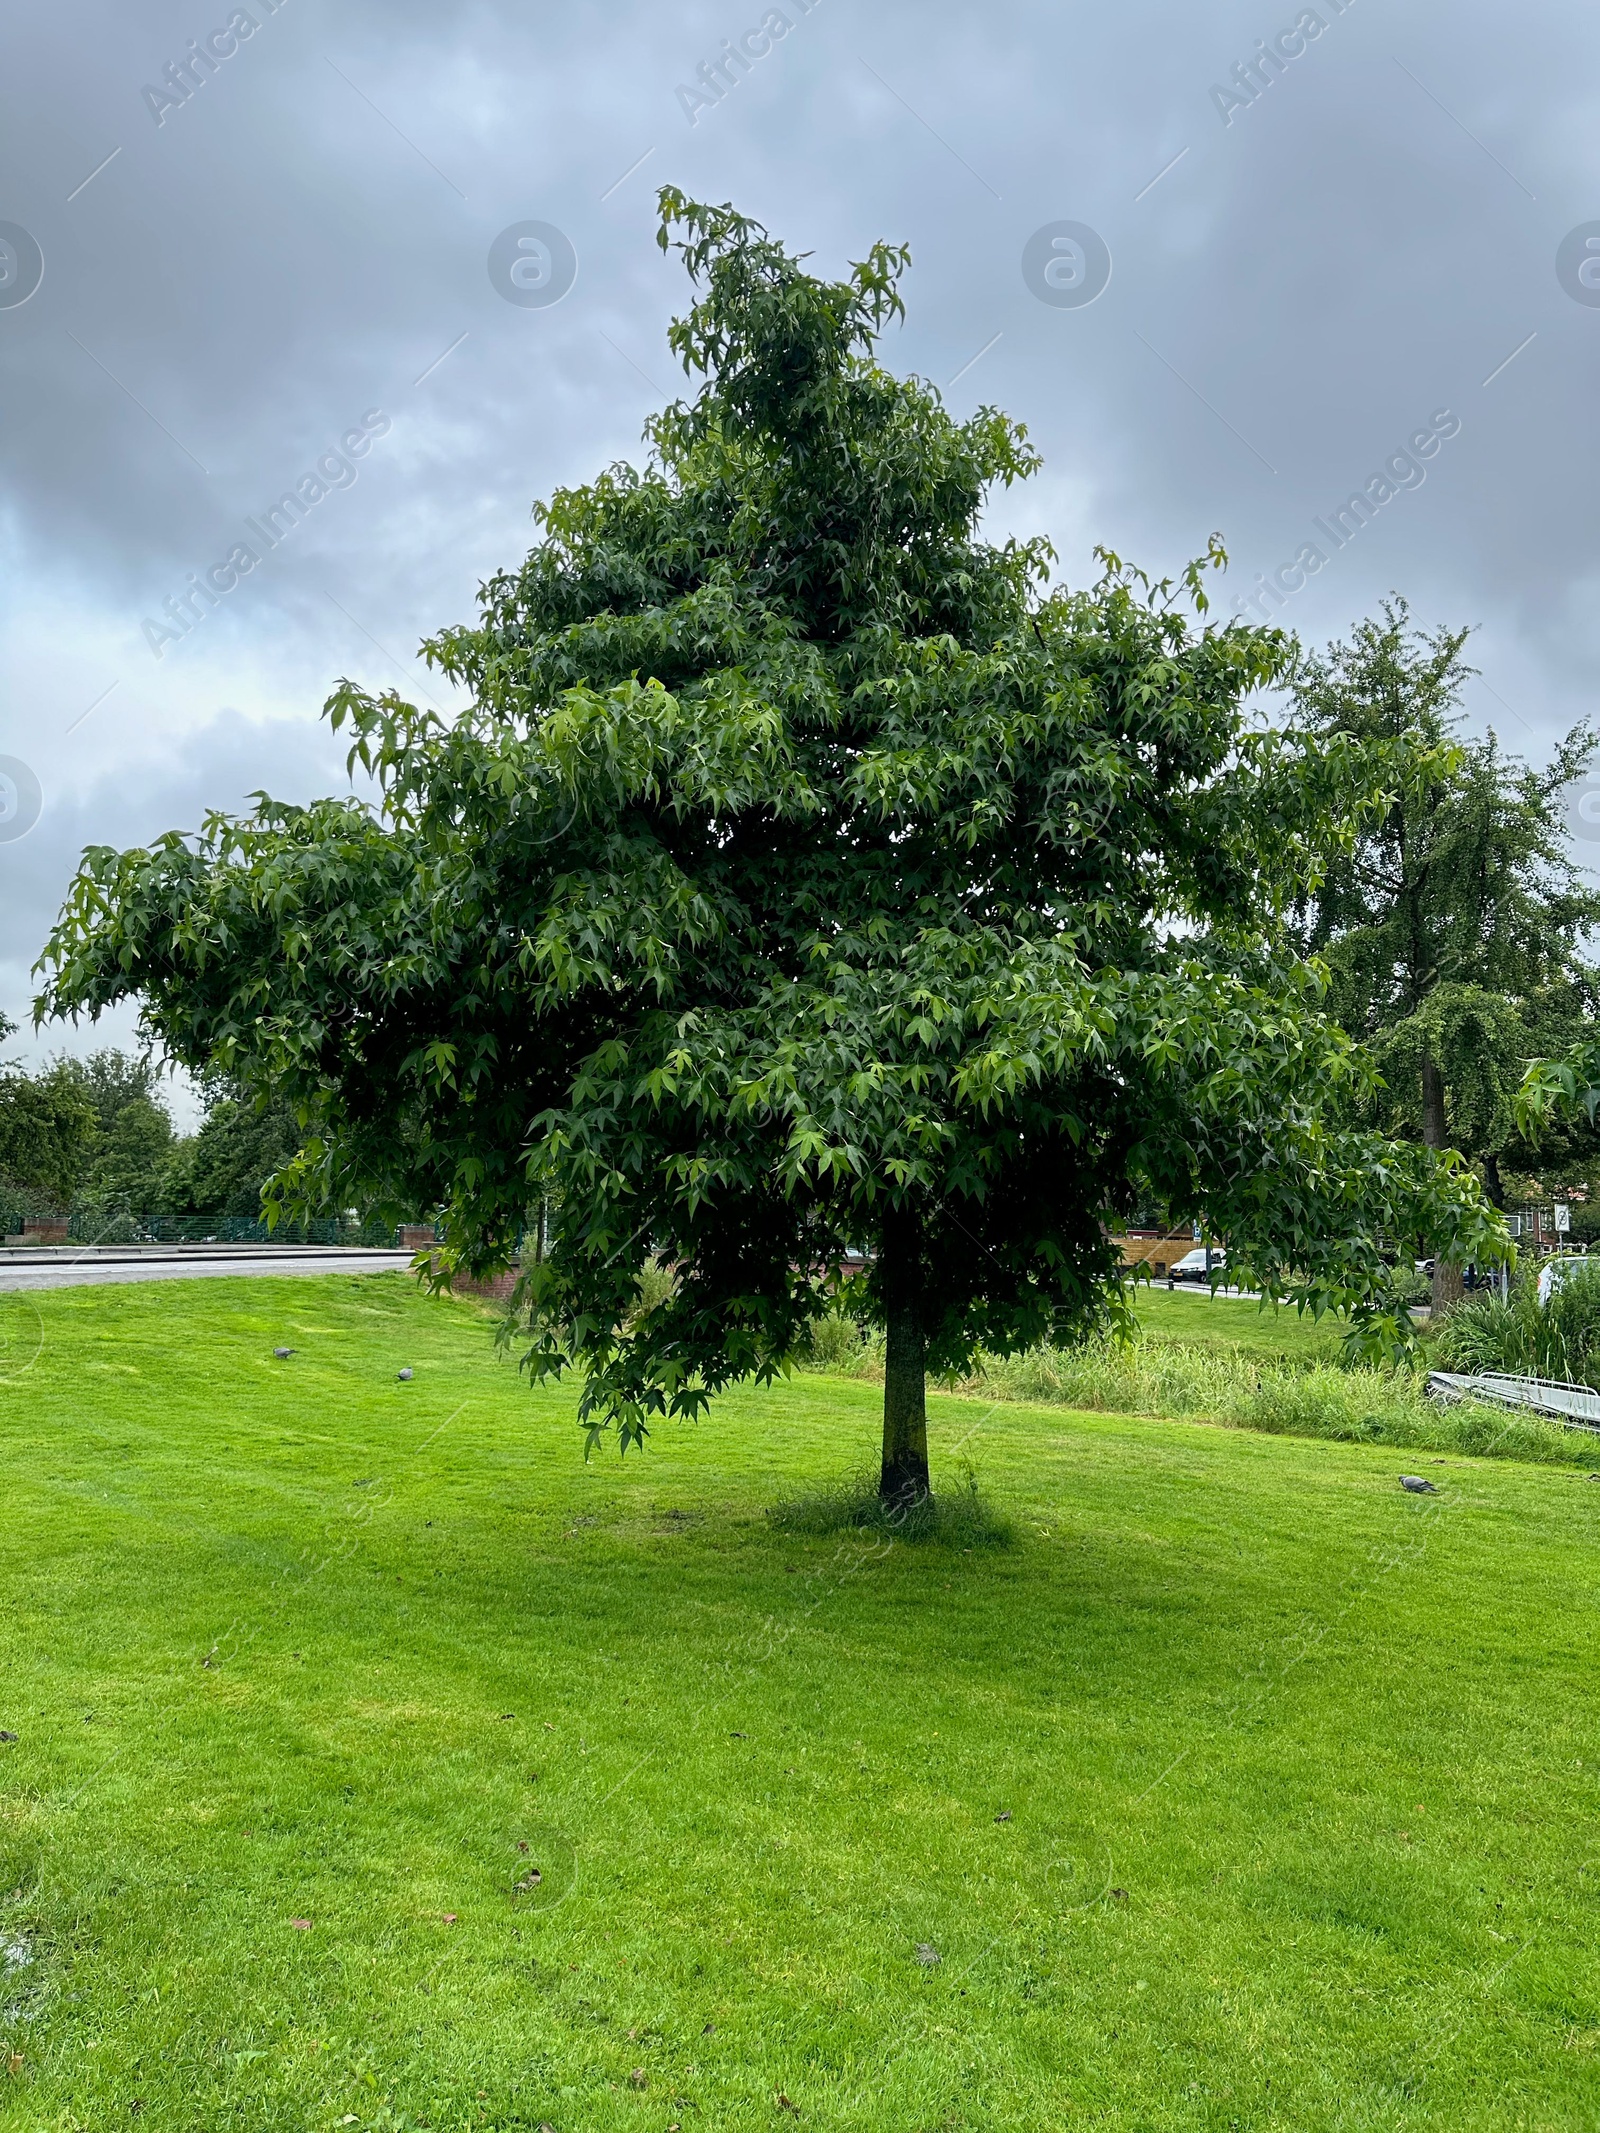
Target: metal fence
x=240 y=1229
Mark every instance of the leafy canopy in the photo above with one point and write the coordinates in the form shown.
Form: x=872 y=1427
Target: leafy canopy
x=802 y=868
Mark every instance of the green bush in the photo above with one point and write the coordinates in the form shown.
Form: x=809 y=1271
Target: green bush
x=1411 y=1286
x=842 y=1348
x=1560 y=1339
x=104 y=1218
x=657 y=1284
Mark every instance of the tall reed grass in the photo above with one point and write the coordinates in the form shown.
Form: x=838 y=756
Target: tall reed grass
x=1166 y=1378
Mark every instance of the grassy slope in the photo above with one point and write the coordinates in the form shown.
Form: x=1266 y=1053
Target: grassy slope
x=1334 y=1743
x=1201 y=1320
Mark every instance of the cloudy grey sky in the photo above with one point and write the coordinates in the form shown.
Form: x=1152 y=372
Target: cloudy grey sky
x=1311 y=266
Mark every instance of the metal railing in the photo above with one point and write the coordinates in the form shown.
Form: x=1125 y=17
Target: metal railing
x=1555 y=1399
x=245 y=1229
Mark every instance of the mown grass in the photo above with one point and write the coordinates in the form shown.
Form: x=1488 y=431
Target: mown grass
x=1238 y=1789
x=1234 y=1323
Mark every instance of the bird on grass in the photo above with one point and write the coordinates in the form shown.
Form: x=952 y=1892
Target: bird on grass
x=283 y=1354
x=1418 y=1485
x=405 y=1376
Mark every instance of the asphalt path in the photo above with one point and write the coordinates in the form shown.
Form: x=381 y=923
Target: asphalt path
x=71 y=1267
x=83 y=1266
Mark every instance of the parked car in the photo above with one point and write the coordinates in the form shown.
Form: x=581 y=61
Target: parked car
x=1195 y=1265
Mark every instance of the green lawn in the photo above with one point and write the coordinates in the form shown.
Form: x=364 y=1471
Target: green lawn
x=1201 y=1320
x=1243 y=1791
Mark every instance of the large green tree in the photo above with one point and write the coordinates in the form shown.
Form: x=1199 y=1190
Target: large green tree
x=1454 y=927
x=801 y=874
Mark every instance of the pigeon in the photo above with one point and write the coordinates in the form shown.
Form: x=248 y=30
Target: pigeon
x=1418 y=1485
x=405 y=1376
x=283 y=1354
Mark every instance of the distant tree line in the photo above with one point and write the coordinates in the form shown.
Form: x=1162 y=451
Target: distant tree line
x=94 y=1138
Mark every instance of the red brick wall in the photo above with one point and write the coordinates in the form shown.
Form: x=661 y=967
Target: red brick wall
x=497 y=1289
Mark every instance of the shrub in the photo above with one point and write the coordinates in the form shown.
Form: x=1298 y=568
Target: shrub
x=1560 y=1339
x=657 y=1284
x=104 y=1218
x=839 y=1346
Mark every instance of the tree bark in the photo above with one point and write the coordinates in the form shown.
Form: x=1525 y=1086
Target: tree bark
x=904 y=1475
x=1434 y=1124
x=1448 y=1288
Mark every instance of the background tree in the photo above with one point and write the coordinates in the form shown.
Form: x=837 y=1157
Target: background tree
x=800 y=874
x=47 y=1127
x=1454 y=928
x=224 y=1167
x=127 y=1166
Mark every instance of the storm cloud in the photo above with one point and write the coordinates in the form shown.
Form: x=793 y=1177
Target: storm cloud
x=257 y=228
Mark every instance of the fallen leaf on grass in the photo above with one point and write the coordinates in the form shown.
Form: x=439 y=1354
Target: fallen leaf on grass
x=301 y=1925
x=14 y=2063
x=451 y=1918
x=927 y=1954
x=1119 y=1895
x=1006 y=1817
x=785 y=2105
x=637 y=2079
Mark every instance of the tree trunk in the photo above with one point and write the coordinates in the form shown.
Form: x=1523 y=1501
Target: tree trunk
x=1493 y=1185
x=1448 y=1287
x=1434 y=1125
x=904 y=1477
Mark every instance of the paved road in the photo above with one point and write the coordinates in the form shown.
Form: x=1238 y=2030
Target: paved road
x=70 y=1267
